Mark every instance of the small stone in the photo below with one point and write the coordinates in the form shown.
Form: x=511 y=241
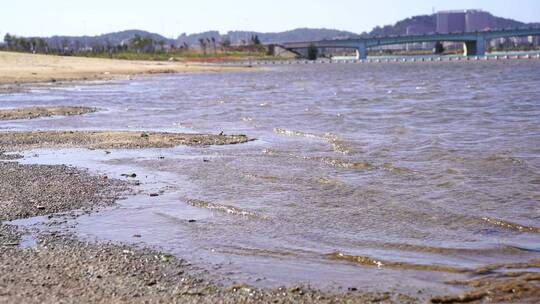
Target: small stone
x=40 y=207
x=295 y=289
x=137 y=236
x=165 y=258
x=154 y=194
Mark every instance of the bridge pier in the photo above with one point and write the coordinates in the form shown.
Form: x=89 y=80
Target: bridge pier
x=361 y=51
x=475 y=48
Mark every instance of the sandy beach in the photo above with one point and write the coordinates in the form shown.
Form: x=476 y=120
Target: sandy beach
x=31 y=68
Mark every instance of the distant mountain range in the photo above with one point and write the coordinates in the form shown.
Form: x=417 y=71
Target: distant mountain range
x=413 y=25
x=238 y=37
x=116 y=38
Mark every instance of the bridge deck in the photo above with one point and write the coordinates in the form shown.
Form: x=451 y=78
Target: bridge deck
x=389 y=40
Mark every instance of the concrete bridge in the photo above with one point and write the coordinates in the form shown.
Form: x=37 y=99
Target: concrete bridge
x=474 y=42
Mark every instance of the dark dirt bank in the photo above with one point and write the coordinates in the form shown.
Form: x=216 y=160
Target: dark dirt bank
x=17 y=141
x=36 y=112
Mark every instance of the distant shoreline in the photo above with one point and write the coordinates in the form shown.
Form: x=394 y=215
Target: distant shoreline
x=395 y=59
x=19 y=68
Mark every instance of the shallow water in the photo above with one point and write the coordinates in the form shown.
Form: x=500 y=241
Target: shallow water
x=381 y=176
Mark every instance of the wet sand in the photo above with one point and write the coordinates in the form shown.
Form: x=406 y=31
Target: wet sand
x=29 y=68
x=37 y=112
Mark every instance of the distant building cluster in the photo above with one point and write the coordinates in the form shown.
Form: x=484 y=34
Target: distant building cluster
x=463 y=21
x=475 y=20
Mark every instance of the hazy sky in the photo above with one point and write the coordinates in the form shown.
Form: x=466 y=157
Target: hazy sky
x=173 y=17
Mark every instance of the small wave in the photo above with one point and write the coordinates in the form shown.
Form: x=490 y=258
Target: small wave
x=331 y=182
x=270 y=152
x=505 y=249
x=296 y=133
x=508 y=266
x=510 y=225
x=361 y=165
x=368 y=261
x=171 y=217
x=224 y=208
x=338 y=145
x=183 y=125
x=244 y=251
x=256 y=176
x=394 y=169
x=341 y=163
x=504 y=159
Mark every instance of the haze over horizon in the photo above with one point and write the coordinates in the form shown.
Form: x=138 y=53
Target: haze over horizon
x=171 y=18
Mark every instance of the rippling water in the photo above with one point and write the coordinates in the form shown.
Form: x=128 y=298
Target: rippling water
x=360 y=175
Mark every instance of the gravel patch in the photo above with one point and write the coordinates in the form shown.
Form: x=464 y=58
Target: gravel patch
x=17 y=141
x=9 y=236
x=63 y=270
x=33 y=190
x=36 y=112
x=11 y=156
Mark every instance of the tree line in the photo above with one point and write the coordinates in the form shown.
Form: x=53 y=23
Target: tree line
x=254 y=44
x=137 y=44
x=15 y=43
x=40 y=45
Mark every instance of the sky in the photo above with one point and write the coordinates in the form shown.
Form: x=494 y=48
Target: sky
x=173 y=17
